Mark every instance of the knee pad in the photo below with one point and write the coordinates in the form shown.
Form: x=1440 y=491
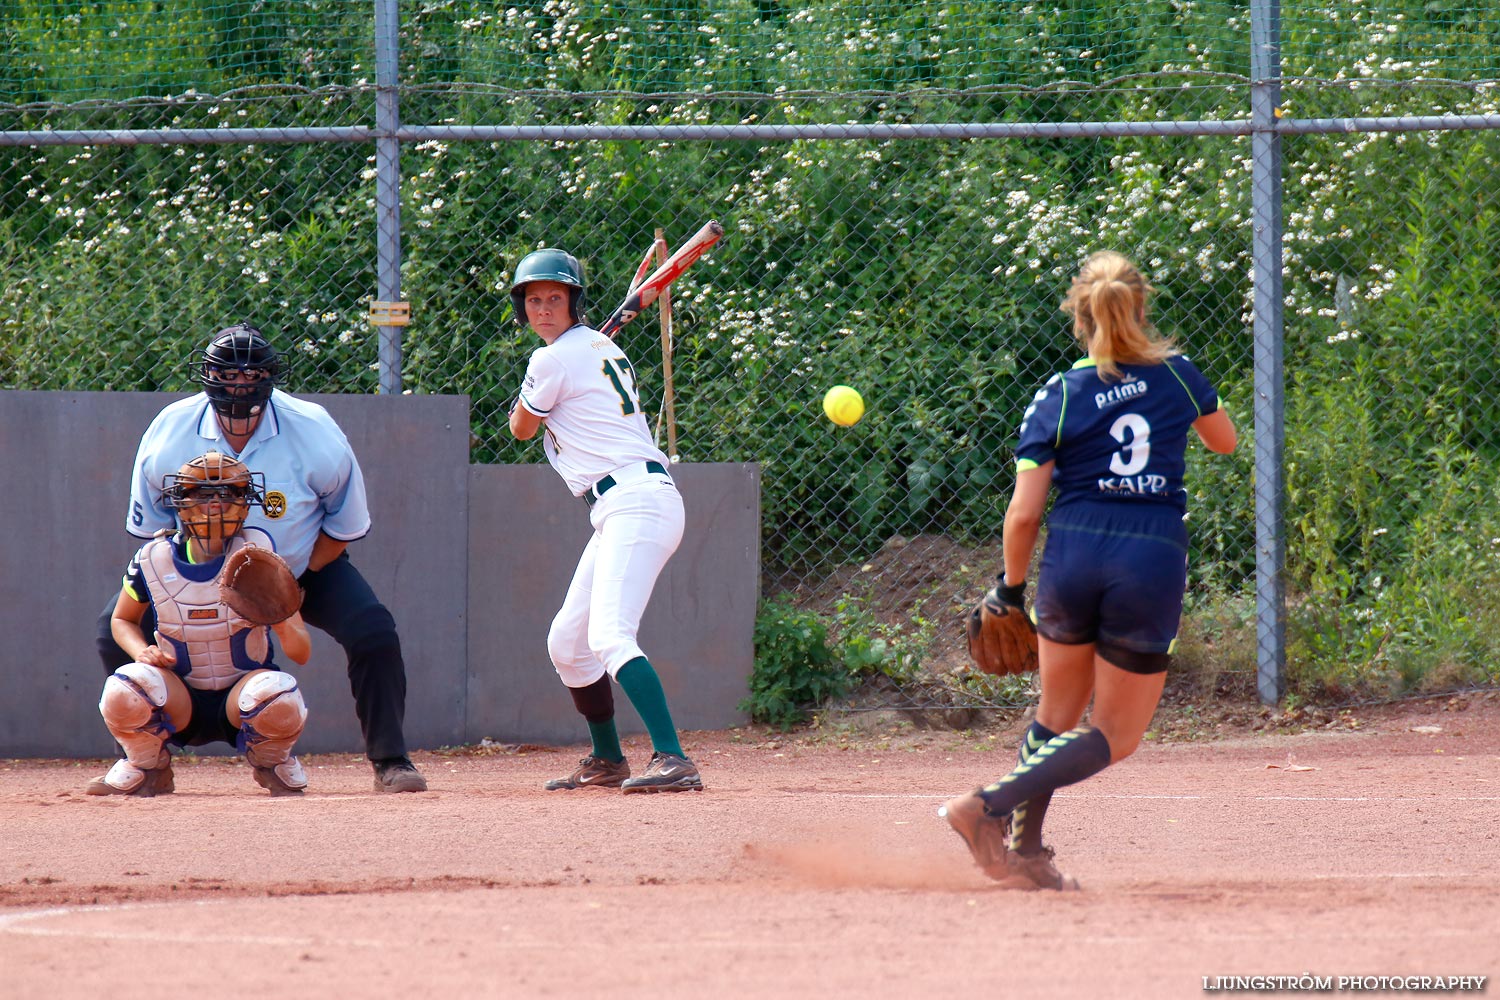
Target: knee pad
x=274 y=703
x=133 y=695
x=133 y=709
x=272 y=714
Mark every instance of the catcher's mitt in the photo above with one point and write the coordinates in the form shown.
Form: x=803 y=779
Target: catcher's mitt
x=259 y=586
x=1002 y=639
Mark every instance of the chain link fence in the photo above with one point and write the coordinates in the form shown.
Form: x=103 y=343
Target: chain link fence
x=906 y=188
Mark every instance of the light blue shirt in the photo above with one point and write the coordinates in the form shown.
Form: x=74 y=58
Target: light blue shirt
x=313 y=481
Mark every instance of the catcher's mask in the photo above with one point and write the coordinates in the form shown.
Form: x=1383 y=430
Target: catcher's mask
x=212 y=495
x=238 y=369
x=548 y=264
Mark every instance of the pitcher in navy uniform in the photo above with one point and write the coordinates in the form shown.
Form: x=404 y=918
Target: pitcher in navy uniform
x=1111 y=435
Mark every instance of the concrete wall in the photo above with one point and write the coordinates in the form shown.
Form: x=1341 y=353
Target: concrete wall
x=697 y=629
x=447 y=542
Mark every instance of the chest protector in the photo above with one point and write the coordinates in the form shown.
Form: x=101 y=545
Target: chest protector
x=214 y=646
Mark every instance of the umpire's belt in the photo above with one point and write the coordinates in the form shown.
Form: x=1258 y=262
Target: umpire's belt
x=628 y=474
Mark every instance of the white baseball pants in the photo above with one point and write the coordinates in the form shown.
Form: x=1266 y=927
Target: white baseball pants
x=637 y=527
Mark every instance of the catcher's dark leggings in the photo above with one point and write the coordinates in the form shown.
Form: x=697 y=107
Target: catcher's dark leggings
x=338 y=601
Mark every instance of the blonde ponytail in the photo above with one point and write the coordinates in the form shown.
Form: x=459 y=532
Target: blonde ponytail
x=1108 y=303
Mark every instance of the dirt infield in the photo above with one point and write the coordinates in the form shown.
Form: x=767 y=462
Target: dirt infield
x=812 y=866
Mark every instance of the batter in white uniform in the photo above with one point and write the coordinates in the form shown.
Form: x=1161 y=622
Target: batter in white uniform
x=581 y=388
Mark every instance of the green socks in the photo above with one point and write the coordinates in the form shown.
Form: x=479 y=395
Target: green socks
x=606 y=740
x=641 y=685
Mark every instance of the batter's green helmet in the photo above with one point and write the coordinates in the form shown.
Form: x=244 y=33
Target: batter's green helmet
x=548 y=264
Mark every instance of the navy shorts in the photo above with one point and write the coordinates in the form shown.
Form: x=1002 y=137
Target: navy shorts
x=210 y=721
x=1113 y=574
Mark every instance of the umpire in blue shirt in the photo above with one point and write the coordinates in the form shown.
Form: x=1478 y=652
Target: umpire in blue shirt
x=315 y=506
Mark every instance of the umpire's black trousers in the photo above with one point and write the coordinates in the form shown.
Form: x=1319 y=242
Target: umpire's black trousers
x=338 y=601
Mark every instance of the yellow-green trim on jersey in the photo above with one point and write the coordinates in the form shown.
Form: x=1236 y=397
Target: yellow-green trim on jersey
x=1181 y=382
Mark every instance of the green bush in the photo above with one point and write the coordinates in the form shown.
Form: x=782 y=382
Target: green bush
x=795 y=666
x=803 y=658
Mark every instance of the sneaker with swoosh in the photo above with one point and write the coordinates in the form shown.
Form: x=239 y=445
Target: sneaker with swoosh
x=592 y=772
x=667 y=772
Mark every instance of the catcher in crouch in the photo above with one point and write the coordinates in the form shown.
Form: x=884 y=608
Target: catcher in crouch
x=209 y=675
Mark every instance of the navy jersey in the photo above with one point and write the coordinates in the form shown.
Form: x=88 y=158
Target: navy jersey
x=1120 y=440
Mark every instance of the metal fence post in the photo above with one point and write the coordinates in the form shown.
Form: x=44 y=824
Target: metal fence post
x=1269 y=302
x=388 y=312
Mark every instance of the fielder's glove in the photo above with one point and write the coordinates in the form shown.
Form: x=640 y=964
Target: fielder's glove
x=1002 y=639
x=259 y=586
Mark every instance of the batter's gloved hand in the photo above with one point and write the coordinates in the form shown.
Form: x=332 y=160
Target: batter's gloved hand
x=259 y=586
x=1002 y=638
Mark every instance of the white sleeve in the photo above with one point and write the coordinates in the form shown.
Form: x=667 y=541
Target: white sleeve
x=546 y=382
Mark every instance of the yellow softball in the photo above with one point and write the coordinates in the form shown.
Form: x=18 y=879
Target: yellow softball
x=843 y=405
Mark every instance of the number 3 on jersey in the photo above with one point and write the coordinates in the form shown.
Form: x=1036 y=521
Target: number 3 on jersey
x=622 y=377
x=1133 y=432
